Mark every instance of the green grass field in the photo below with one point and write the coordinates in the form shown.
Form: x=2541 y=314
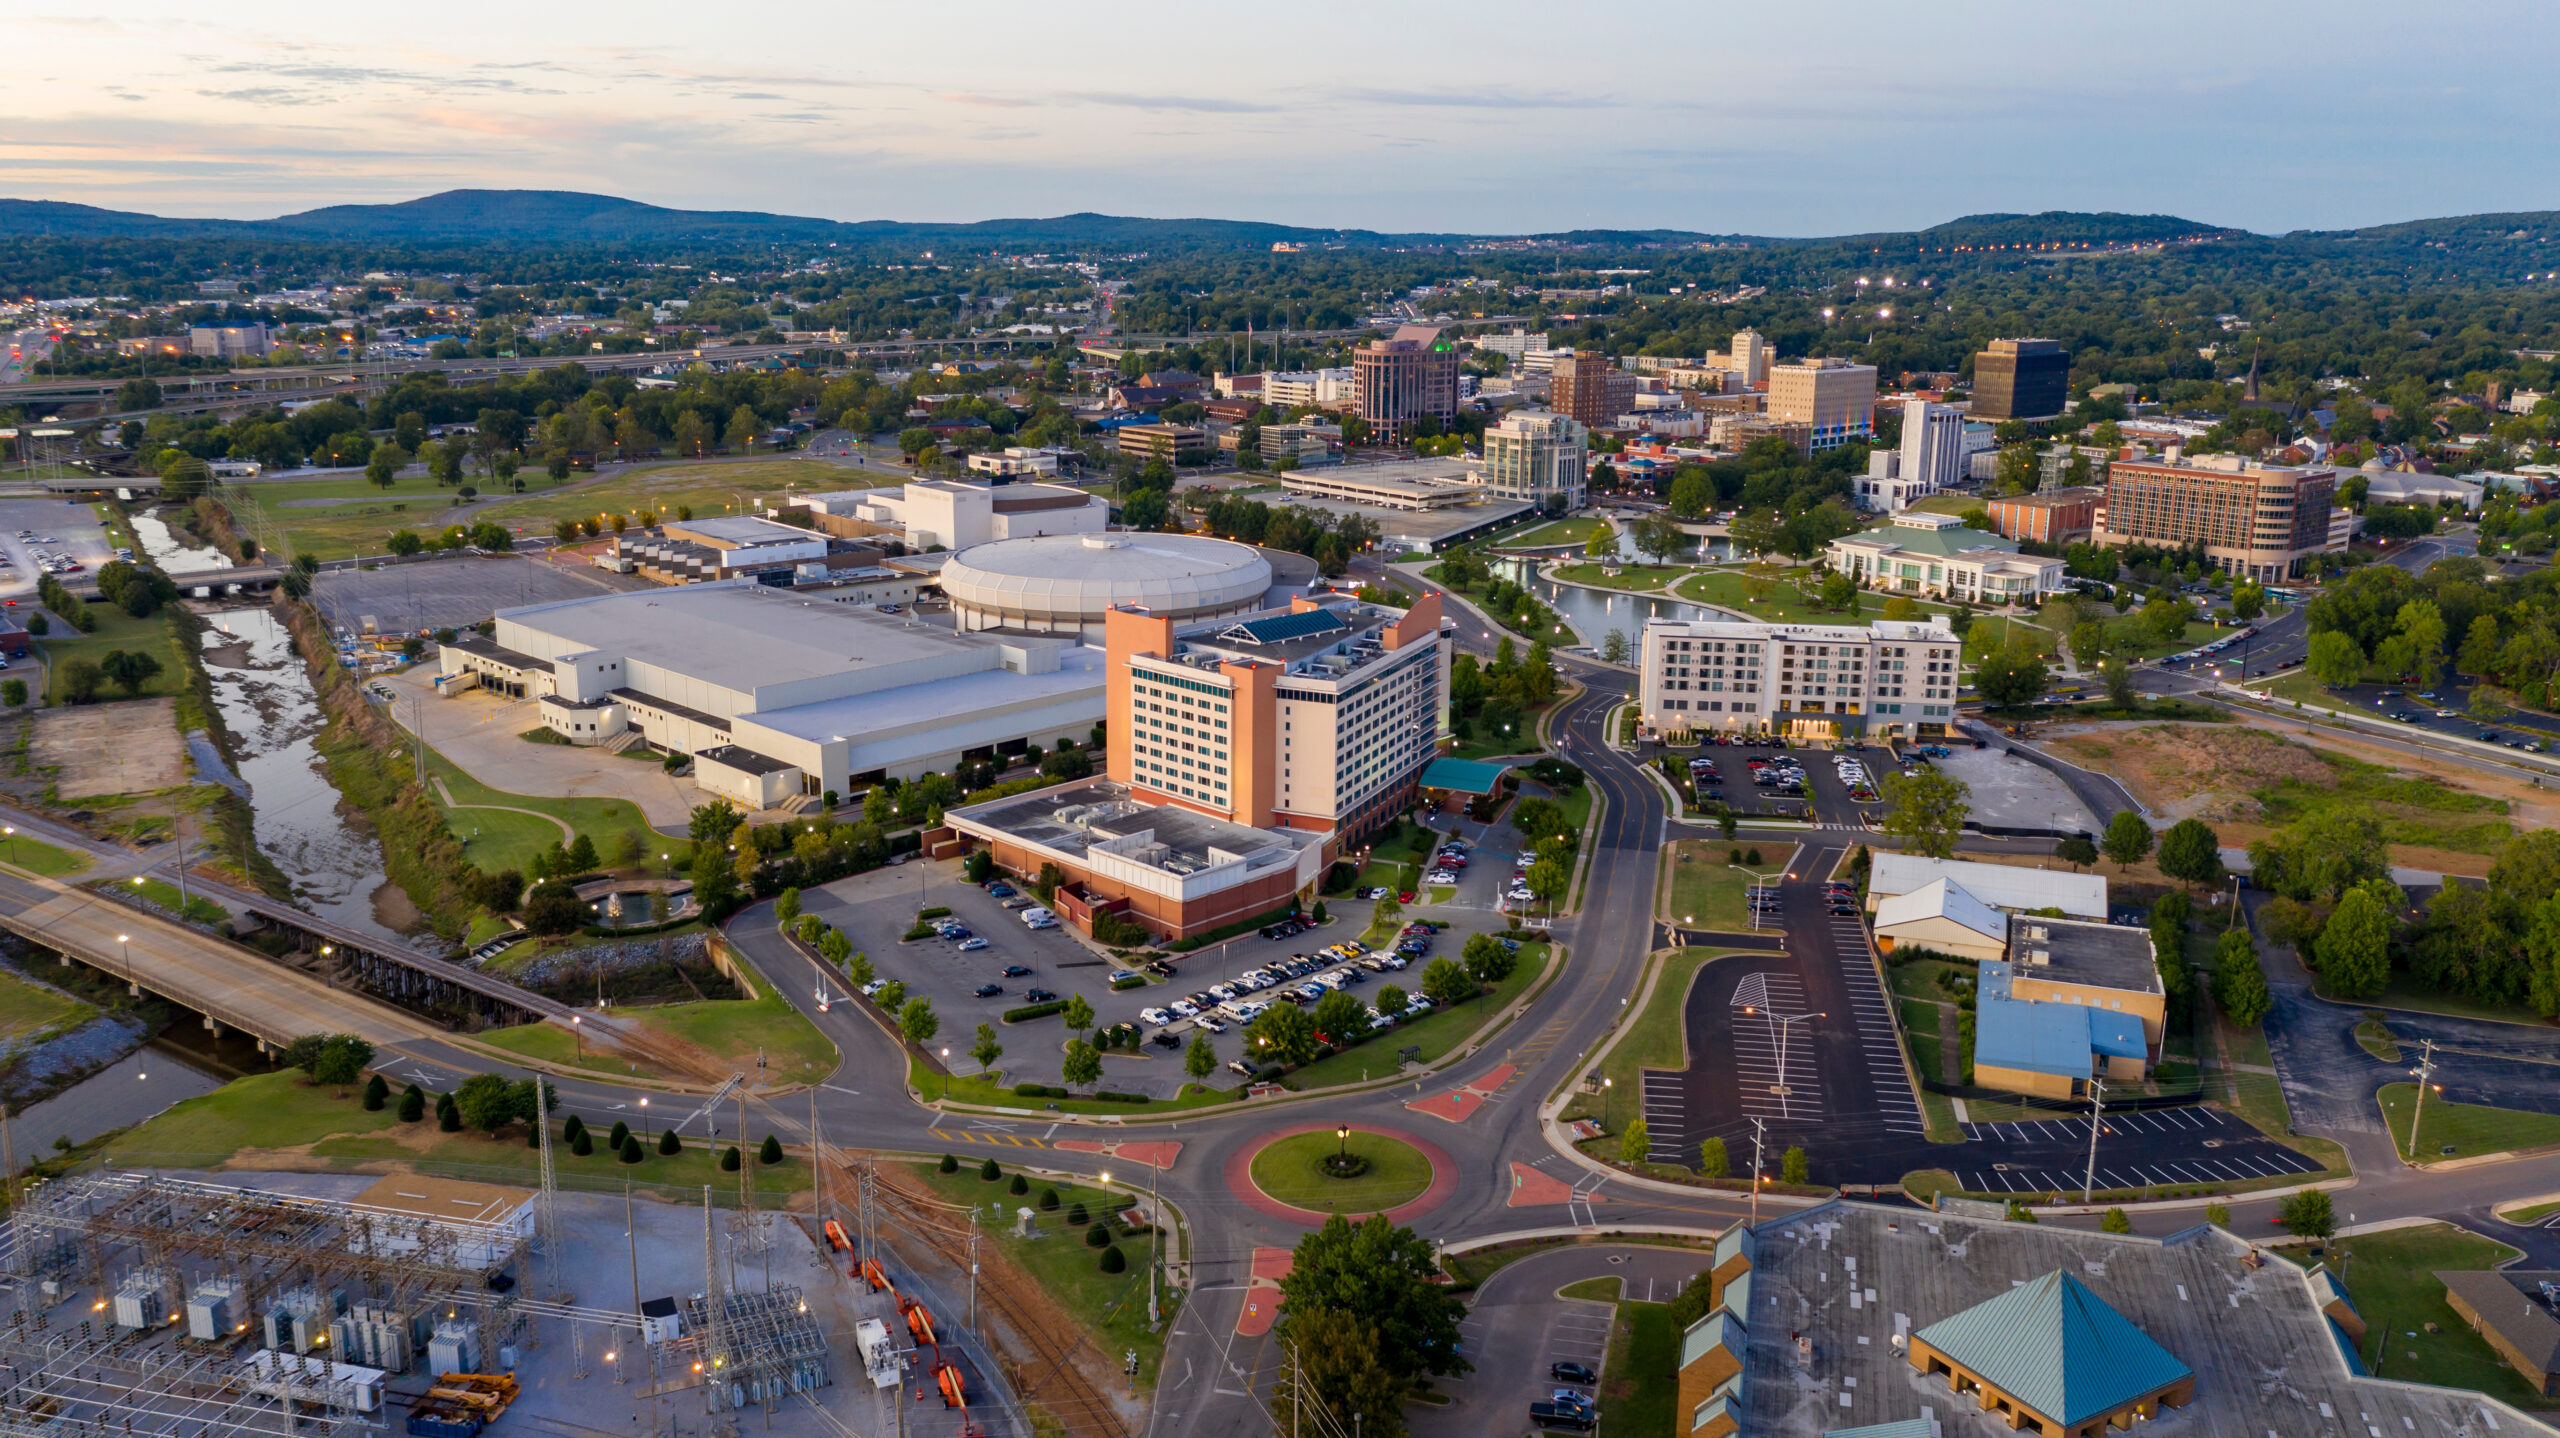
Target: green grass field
x=1651 y=1039
x=1292 y=1171
x=497 y=840
x=745 y=1032
x=283 y=1111
x=164 y=896
x=363 y=527
x=1634 y=577
x=1434 y=1034
x=2460 y=1130
x=708 y=489
x=1766 y=595
x=155 y=636
x=1111 y=1306
x=1562 y=531
x=1705 y=892
x=28 y=1009
x=1640 y=1379
x=38 y=857
x=2413 y=1333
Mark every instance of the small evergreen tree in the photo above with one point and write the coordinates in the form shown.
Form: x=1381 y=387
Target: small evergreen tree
x=376 y=1094
x=988 y=1172
x=771 y=1152
x=620 y=1132
x=631 y=1151
x=729 y=1159
x=583 y=1145
x=1792 y=1168
x=669 y=1144
x=1098 y=1236
x=1019 y=1186
x=1113 y=1260
x=948 y=1165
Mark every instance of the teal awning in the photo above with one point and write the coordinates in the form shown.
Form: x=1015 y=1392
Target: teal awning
x=1462 y=776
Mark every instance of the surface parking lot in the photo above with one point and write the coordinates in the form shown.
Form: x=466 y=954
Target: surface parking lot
x=450 y=592
x=876 y=909
x=64 y=528
x=2157 y=1147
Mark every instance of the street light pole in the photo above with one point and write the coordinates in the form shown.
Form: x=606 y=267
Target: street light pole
x=1759 y=1131
x=2097 y=1111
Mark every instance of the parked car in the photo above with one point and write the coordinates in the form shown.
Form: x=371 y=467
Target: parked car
x=1157 y=1017
x=972 y=944
x=988 y=991
x=1016 y=971
x=1570 y=1372
x=1039 y=996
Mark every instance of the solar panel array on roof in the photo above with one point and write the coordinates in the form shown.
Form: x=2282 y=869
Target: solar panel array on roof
x=1285 y=626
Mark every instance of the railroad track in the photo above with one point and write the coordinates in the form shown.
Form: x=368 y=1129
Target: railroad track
x=1052 y=1376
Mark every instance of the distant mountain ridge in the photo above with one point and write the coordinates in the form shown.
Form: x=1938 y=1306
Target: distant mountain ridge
x=569 y=219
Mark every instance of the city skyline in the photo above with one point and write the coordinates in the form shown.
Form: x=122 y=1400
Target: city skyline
x=2272 y=119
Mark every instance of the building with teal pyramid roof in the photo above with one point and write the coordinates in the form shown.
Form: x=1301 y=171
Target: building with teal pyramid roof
x=2052 y=1355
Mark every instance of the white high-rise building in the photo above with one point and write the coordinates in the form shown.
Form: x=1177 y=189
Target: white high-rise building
x=1537 y=457
x=1750 y=357
x=1933 y=452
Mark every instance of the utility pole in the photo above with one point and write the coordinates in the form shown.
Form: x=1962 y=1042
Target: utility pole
x=2097 y=1111
x=1759 y=1131
x=2425 y=1073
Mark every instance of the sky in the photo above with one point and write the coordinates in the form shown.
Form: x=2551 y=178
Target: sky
x=1488 y=117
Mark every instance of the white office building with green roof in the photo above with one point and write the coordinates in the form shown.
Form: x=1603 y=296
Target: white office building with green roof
x=1937 y=556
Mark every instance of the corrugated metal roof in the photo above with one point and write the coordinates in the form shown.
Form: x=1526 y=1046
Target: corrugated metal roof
x=1943 y=899
x=1899 y=1428
x=2002 y=886
x=2056 y=1347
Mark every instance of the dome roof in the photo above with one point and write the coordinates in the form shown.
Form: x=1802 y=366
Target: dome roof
x=1080 y=576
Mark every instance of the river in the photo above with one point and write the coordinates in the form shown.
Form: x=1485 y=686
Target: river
x=273 y=716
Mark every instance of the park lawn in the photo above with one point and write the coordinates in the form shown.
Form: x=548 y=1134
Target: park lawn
x=2415 y=1336
x=413 y=483
x=1291 y=1171
x=1112 y=1307
x=156 y=636
x=28 y=1009
x=1435 y=1033
x=1562 y=531
x=1765 y=596
x=550 y=1043
x=1576 y=803
x=1705 y=892
x=1955 y=504
x=989 y=1090
x=1633 y=577
x=163 y=895
x=1640 y=1379
x=38 y=857
x=349 y=531
x=1395 y=862
x=509 y=841
x=264 y=1111
x=507 y=1158
x=2461 y=1130
x=746 y=1032
x=2127 y=640
x=707 y=488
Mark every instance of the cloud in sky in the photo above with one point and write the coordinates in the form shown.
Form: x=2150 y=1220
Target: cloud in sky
x=2277 y=115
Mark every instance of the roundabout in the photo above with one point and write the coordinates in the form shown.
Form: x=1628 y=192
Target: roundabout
x=1307 y=1173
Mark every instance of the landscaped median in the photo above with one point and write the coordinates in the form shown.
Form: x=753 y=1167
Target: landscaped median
x=2450 y=1131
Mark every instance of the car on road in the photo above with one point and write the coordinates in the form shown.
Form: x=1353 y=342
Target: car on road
x=1039 y=996
x=1569 y=1372
x=972 y=944
x=989 y=991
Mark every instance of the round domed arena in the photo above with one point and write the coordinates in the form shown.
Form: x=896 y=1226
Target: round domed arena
x=1064 y=583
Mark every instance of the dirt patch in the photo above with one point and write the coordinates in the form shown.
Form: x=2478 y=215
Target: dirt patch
x=101 y=749
x=2192 y=771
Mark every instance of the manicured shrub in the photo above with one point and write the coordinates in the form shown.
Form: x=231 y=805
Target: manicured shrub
x=730 y=1162
x=1019 y=1186
x=1076 y=1214
x=669 y=1144
x=413 y=1104
x=376 y=1094
x=631 y=1151
x=584 y=1144
x=1098 y=1236
x=1048 y=1200
x=989 y=1171
x=771 y=1152
x=949 y=1164
x=620 y=1132
x=1113 y=1261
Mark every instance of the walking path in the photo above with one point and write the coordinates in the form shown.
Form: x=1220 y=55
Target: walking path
x=567 y=834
